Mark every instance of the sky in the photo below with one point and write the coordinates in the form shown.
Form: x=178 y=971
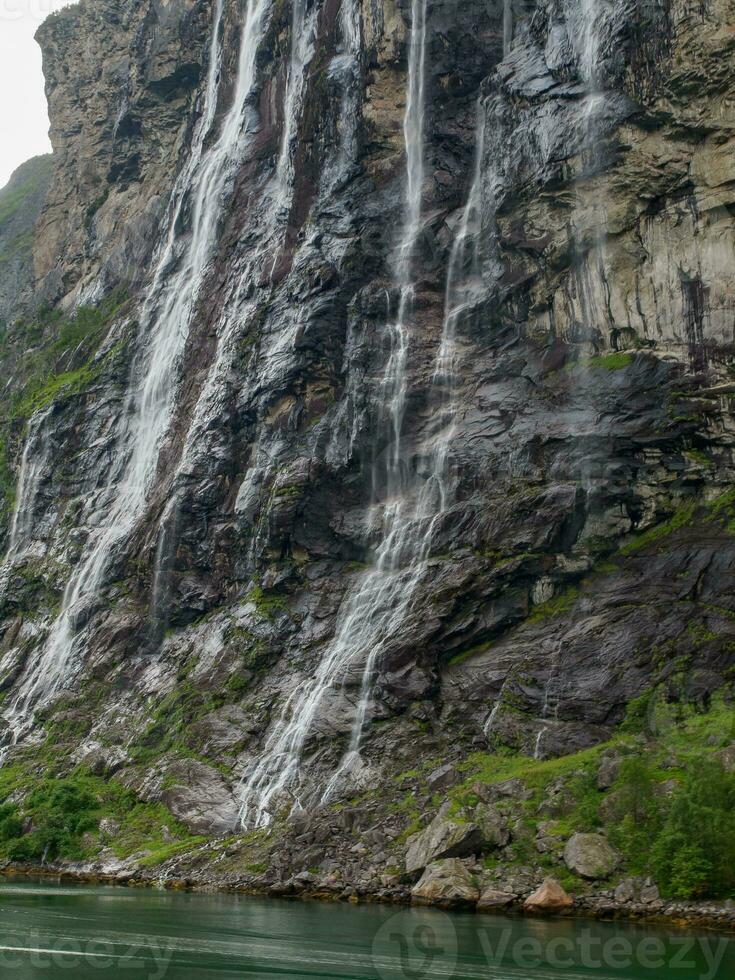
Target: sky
x=23 y=116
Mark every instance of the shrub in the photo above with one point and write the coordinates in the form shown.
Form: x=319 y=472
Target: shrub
x=61 y=811
x=11 y=826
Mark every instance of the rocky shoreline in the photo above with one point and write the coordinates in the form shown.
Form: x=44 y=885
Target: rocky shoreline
x=602 y=906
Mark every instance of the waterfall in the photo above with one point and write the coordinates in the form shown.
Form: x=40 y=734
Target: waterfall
x=265 y=237
x=552 y=698
x=201 y=190
x=376 y=609
x=368 y=614
x=33 y=462
x=403 y=555
x=507 y=26
x=345 y=67
x=302 y=51
x=587 y=42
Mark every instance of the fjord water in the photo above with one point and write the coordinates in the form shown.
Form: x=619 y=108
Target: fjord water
x=59 y=931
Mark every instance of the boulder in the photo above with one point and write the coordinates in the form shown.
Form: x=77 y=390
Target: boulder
x=442 y=839
x=446 y=883
x=513 y=789
x=727 y=758
x=590 y=856
x=494 y=898
x=199 y=797
x=521 y=882
x=626 y=891
x=608 y=770
x=650 y=893
x=493 y=825
x=643 y=890
x=550 y=897
x=443 y=778
x=560 y=801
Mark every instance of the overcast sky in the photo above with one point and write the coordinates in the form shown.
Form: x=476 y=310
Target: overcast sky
x=23 y=119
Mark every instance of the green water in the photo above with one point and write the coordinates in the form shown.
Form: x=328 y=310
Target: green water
x=82 y=932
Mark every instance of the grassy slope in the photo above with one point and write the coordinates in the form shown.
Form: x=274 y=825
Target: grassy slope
x=19 y=206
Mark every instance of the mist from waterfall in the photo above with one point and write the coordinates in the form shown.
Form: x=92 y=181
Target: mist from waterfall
x=201 y=190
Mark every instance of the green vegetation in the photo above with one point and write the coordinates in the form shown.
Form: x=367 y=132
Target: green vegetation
x=168 y=730
x=27 y=181
x=554 y=607
x=60 y=812
x=670 y=811
x=720 y=511
x=267 y=604
x=18 y=246
x=606 y=362
x=688 y=841
x=473 y=651
x=48 y=357
x=59 y=818
x=58 y=355
x=19 y=205
x=682 y=517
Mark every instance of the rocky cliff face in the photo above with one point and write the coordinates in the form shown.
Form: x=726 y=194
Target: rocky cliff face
x=406 y=434
x=21 y=201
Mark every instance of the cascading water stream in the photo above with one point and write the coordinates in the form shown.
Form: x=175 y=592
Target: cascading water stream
x=368 y=611
x=378 y=606
x=33 y=463
x=302 y=51
x=406 y=548
x=35 y=455
x=166 y=315
x=347 y=65
x=589 y=21
x=552 y=699
x=266 y=230
x=507 y=26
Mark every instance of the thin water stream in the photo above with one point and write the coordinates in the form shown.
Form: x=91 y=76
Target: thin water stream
x=377 y=606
